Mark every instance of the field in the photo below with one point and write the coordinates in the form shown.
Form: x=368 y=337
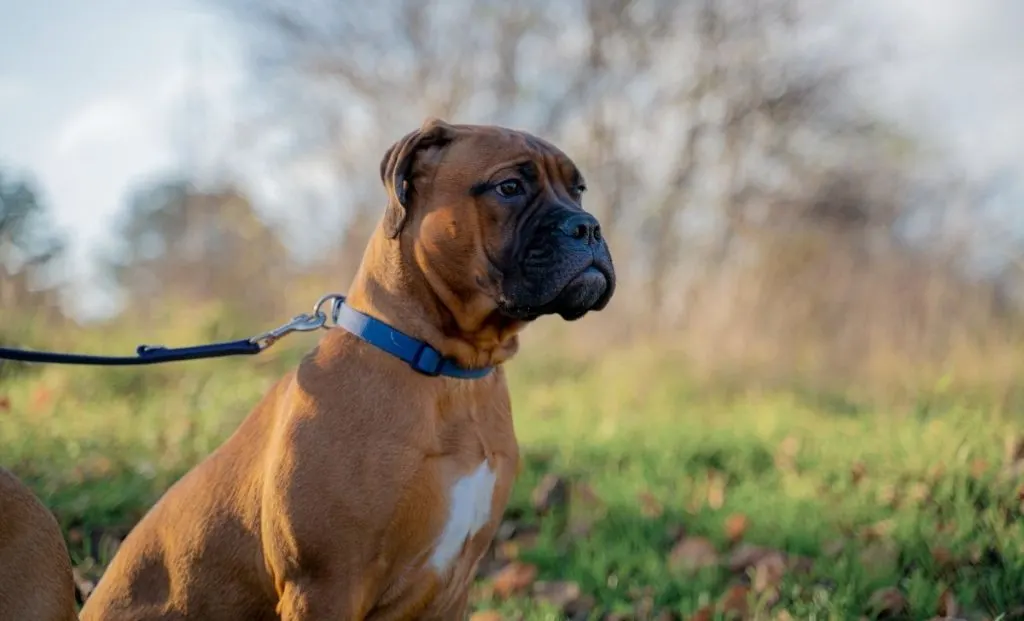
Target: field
x=644 y=494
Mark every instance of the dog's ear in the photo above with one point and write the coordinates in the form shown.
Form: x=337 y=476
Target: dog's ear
x=397 y=167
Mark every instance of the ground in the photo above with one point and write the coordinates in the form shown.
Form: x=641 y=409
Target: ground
x=644 y=495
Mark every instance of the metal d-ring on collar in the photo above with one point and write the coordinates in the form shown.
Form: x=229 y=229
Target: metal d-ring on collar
x=418 y=354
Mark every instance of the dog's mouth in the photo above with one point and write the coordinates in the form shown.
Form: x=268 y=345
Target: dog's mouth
x=589 y=289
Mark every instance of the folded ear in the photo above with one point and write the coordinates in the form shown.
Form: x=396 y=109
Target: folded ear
x=397 y=167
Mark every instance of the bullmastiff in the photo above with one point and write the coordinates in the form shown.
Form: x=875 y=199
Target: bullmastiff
x=35 y=569
x=364 y=485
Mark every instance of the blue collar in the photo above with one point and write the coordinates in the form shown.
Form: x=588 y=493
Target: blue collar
x=421 y=357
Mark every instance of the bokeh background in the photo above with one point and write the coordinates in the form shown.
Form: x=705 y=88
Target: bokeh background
x=805 y=394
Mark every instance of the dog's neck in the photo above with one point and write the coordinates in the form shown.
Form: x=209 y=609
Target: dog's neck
x=390 y=286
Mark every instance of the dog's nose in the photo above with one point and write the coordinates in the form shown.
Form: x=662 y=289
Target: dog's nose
x=582 y=227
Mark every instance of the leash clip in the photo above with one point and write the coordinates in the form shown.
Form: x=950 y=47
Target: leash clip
x=306 y=322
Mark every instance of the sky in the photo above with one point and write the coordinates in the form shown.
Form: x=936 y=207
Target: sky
x=94 y=95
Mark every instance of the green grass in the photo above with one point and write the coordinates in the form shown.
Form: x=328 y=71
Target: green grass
x=931 y=510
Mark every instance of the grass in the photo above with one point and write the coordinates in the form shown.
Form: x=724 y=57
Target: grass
x=666 y=480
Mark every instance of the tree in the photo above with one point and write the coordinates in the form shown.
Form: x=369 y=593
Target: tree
x=181 y=243
x=30 y=246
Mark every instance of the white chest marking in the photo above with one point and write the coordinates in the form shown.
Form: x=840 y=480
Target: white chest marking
x=469 y=509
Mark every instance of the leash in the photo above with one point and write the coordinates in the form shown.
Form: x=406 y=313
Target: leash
x=417 y=354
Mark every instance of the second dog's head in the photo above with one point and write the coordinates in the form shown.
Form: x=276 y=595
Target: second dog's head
x=494 y=216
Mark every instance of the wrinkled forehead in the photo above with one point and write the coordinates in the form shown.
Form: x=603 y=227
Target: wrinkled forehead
x=485 y=150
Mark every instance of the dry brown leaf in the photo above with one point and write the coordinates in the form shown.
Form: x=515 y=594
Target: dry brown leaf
x=1013 y=449
x=580 y=608
x=857 y=472
x=584 y=495
x=919 y=493
x=947 y=604
x=514 y=578
x=785 y=455
x=552 y=492
x=650 y=507
x=5 y=404
x=736 y=527
x=879 y=558
x=707 y=613
x=888 y=496
x=558 y=594
x=486 y=615
x=745 y=556
x=887 y=601
x=716 y=490
x=735 y=602
x=833 y=548
x=692 y=554
x=83 y=585
x=769 y=572
x=979 y=467
x=943 y=557
x=878 y=530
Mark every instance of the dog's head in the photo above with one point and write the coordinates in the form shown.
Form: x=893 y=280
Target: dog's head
x=495 y=215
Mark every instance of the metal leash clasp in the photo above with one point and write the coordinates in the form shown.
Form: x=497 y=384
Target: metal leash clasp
x=306 y=322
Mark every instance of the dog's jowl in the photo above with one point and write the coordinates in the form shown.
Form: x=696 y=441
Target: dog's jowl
x=361 y=487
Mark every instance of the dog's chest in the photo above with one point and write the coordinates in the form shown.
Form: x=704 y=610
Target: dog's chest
x=470 y=500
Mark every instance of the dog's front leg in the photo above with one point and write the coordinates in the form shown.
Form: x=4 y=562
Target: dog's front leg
x=307 y=599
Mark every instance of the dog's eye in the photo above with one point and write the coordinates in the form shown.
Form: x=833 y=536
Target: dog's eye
x=579 y=190
x=509 y=188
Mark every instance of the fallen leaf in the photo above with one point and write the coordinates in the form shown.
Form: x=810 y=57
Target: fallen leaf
x=558 y=594
x=943 y=557
x=83 y=585
x=580 y=608
x=888 y=495
x=692 y=554
x=785 y=456
x=833 y=548
x=514 y=578
x=919 y=493
x=5 y=404
x=735 y=602
x=887 y=601
x=746 y=556
x=707 y=613
x=769 y=572
x=979 y=467
x=650 y=507
x=878 y=530
x=1013 y=449
x=716 y=490
x=879 y=558
x=486 y=615
x=735 y=527
x=947 y=605
x=41 y=397
x=857 y=472
x=552 y=492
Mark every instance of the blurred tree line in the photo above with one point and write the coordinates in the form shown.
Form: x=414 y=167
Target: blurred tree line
x=756 y=210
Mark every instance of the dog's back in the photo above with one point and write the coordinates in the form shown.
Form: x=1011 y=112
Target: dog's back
x=35 y=570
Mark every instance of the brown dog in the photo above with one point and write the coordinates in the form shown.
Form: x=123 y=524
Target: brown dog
x=360 y=488
x=35 y=570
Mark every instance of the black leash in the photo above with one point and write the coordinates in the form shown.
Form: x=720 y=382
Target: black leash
x=422 y=357
x=150 y=354
x=145 y=354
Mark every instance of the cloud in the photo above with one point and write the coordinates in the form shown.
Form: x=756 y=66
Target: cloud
x=108 y=120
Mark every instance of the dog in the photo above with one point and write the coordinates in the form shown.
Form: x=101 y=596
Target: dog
x=359 y=487
x=35 y=569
